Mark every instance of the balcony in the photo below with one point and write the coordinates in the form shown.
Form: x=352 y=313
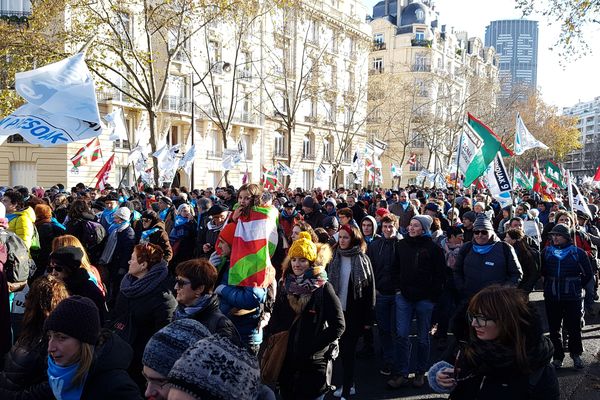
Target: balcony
x=329 y=123
x=214 y=153
x=347 y=159
x=15 y=17
x=114 y=94
x=181 y=56
x=420 y=68
x=420 y=43
x=312 y=119
x=280 y=154
x=308 y=157
x=378 y=46
x=176 y=104
x=245 y=118
x=15 y=139
x=375 y=71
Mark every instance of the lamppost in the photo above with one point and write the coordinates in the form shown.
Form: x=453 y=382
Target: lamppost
x=226 y=68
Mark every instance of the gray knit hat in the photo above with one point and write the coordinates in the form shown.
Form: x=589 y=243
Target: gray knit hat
x=482 y=223
x=215 y=368
x=425 y=221
x=168 y=344
x=470 y=215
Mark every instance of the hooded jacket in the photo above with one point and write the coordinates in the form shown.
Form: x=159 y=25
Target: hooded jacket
x=23 y=224
x=383 y=255
x=374 y=235
x=566 y=270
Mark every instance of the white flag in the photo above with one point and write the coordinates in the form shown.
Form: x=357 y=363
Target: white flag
x=61 y=106
x=576 y=200
x=188 y=159
x=117 y=125
x=524 y=140
x=231 y=159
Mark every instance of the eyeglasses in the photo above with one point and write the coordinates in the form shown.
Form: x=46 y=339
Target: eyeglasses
x=480 y=320
x=56 y=268
x=158 y=382
x=484 y=233
x=182 y=282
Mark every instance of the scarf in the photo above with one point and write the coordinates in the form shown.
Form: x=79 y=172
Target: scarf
x=58 y=224
x=136 y=215
x=113 y=227
x=107 y=215
x=361 y=273
x=483 y=248
x=404 y=204
x=60 y=381
x=213 y=227
x=111 y=243
x=145 y=238
x=560 y=253
x=178 y=231
x=188 y=311
x=284 y=214
x=132 y=287
x=10 y=217
x=163 y=214
x=306 y=283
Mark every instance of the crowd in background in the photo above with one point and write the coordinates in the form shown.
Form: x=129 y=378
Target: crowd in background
x=126 y=293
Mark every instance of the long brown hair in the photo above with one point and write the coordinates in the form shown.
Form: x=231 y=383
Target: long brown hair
x=356 y=237
x=43 y=297
x=70 y=240
x=509 y=309
x=255 y=191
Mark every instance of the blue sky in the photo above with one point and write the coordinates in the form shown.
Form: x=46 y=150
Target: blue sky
x=560 y=86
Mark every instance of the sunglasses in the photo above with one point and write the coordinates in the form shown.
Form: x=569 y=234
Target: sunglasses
x=484 y=233
x=56 y=268
x=480 y=320
x=181 y=282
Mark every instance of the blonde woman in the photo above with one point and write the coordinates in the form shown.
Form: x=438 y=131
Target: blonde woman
x=70 y=240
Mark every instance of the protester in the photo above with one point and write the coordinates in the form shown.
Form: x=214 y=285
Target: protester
x=48 y=228
x=21 y=219
x=144 y=303
x=527 y=258
x=82 y=224
x=312 y=215
x=85 y=362
x=308 y=307
x=207 y=238
x=94 y=274
x=153 y=231
x=183 y=235
x=351 y=275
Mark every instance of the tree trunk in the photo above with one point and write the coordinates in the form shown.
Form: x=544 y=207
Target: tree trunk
x=153 y=143
x=226 y=175
x=287 y=179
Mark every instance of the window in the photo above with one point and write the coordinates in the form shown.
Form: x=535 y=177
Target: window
x=174 y=135
x=331 y=109
x=280 y=145
x=378 y=65
x=308 y=146
x=214 y=147
x=378 y=38
x=420 y=35
x=214 y=55
x=129 y=125
x=125 y=176
x=23 y=173
x=418 y=165
x=313 y=31
x=308 y=178
x=247 y=145
x=328 y=149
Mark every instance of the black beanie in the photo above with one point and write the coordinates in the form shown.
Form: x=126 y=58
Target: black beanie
x=77 y=317
x=68 y=256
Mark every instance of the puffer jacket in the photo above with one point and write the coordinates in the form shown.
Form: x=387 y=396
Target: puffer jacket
x=23 y=224
x=566 y=270
x=25 y=365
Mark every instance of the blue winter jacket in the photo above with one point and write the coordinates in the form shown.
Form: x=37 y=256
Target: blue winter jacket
x=566 y=270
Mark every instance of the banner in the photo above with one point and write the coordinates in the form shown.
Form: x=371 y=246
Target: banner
x=496 y=177
x=395 y=171
x=88 y=153
x=524 y=140
x=118 y=130
x=322 y=176
x=187 y=160
x=284 y=169
x=61 y=106
x=469 y=151
x=231 y=159
x=269 y=178
x=102 y=175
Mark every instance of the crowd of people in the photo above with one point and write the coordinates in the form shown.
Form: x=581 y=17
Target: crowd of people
x=126 y=294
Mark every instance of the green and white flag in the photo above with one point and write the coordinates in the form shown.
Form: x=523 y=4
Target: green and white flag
x=554 y=173
x=475 y=154
x=524 y=140
x=522 y=180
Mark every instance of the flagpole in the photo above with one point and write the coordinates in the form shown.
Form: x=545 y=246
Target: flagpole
x=456 y=176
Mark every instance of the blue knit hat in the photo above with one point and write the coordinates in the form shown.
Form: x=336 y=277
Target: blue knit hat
x=168 y=344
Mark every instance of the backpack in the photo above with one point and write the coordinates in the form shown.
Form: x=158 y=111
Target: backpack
x=93 y=238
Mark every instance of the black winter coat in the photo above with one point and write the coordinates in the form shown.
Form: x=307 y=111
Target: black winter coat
x=383 y=255
x=25 y=366
x=215 y=321
x=136 y=319
x=119 y=263
x=314 y=219
x=321 y=322
x=421 y=272
x=47 y=232
x=79 y=283
x=159 y=238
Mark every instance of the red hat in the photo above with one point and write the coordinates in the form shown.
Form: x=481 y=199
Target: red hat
x=382 y=211
x=227 y=233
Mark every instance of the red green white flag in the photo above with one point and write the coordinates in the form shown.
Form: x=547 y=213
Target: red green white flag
x=253 y=245
x=269 y=178
x=90 y=152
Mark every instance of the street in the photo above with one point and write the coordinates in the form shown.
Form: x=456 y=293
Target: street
x=574 y=385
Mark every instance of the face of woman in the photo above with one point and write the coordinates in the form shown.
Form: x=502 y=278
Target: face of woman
x=295 y=232
x=244 y=198
x=485 y=328
x=563 y=219
x=225 y=247
x=186 y=213
x=478 y=209
x=63 y=349
x=415 y=228
x=57 y=271
x=135 y=268
x=344 y=239
x=185 y=294
x=299 y=265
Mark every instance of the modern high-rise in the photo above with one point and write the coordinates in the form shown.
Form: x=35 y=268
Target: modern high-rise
x=584 y=161
x=516 y=43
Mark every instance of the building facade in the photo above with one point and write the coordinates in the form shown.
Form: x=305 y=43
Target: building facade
x=431 y=76
x=285 y=87
x=585 y=161
x=516 y=42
